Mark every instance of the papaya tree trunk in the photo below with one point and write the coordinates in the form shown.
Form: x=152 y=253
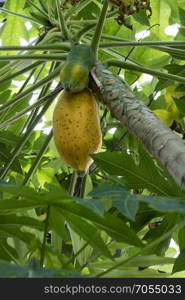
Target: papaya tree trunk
x=159 y=140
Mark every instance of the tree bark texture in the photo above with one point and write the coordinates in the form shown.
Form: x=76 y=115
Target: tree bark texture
x=166 y=146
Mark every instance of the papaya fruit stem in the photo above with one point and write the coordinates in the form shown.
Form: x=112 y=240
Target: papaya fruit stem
x=73 y=183
x=80 y=185
x=83 y=185
x=77 y=184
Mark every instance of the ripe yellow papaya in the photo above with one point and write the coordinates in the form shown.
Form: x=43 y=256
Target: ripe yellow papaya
x=76 y=128
x=75 y=72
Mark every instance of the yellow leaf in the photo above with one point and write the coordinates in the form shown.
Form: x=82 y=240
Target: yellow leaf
x=171 y=93
x=165 y=116
x=173 y=110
